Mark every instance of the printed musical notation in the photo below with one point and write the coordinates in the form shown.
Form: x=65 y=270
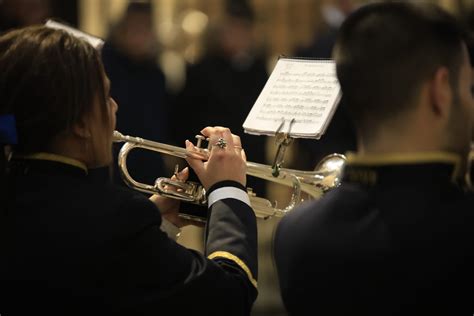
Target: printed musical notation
x=305 y=90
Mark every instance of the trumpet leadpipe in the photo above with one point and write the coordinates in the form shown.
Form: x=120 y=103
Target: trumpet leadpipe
x=158 y=147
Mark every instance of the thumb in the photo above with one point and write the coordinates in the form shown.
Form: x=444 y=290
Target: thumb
x=183 y=174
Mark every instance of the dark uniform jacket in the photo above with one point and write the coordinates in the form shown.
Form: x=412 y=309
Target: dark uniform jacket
x=73 y=244
x=396 y=238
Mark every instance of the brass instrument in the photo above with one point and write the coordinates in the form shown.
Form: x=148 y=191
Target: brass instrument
x=327 y=175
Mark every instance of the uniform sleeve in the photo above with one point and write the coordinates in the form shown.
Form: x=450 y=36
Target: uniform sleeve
x=165 y=275
x=228 y=234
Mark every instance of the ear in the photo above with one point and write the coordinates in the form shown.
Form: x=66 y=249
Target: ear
x=441 y=93
x=81 y=129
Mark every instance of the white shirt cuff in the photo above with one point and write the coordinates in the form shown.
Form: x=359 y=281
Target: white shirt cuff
x=228 y=193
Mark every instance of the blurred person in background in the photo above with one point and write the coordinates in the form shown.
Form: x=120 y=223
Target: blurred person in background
x=19 y=13
x=222 y=87
x=333 y=12
x=130 y=60
x=340 y=135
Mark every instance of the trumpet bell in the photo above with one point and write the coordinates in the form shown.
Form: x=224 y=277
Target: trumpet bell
x=332 y=166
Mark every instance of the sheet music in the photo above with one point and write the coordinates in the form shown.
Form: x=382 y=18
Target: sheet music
x=305 y=90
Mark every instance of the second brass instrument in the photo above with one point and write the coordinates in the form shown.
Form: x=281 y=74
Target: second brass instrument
x=327 y=175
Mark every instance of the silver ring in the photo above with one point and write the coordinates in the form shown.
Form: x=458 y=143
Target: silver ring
x=221 y=143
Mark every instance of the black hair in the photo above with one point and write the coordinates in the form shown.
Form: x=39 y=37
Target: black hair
x=385 y=51
x=139 y=7
x=240 y=9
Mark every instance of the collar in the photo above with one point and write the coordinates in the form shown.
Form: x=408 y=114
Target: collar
x=370 y=169
x=55 y=158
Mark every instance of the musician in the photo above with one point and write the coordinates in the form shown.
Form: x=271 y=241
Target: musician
x=397 y=237
x=74 y=244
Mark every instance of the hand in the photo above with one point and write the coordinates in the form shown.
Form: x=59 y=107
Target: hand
x=227 y=163
x=169 y=208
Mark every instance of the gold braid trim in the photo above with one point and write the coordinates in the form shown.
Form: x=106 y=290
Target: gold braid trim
x=237 y=260
x=407 y=158
x=56 y=158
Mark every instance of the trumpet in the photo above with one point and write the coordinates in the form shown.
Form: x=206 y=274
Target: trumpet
x=326 y=176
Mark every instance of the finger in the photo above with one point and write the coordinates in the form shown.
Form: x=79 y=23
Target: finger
x=219 y=130
x=181 y=175
x=196 y=164
x=228 y=137
x=236 y=140
x=221 y=138
x=195 y=155
x=211 y=135
x=211 y=129
x=243 y=155
x=193 y=152
x=237 y=143
x=207 y=131
x=214 y=140
x=184 y=174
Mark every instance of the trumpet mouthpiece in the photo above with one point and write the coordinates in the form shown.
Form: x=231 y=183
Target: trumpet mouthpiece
x=118 y=137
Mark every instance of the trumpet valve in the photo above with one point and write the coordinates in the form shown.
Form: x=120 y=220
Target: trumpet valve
x=199 y=139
